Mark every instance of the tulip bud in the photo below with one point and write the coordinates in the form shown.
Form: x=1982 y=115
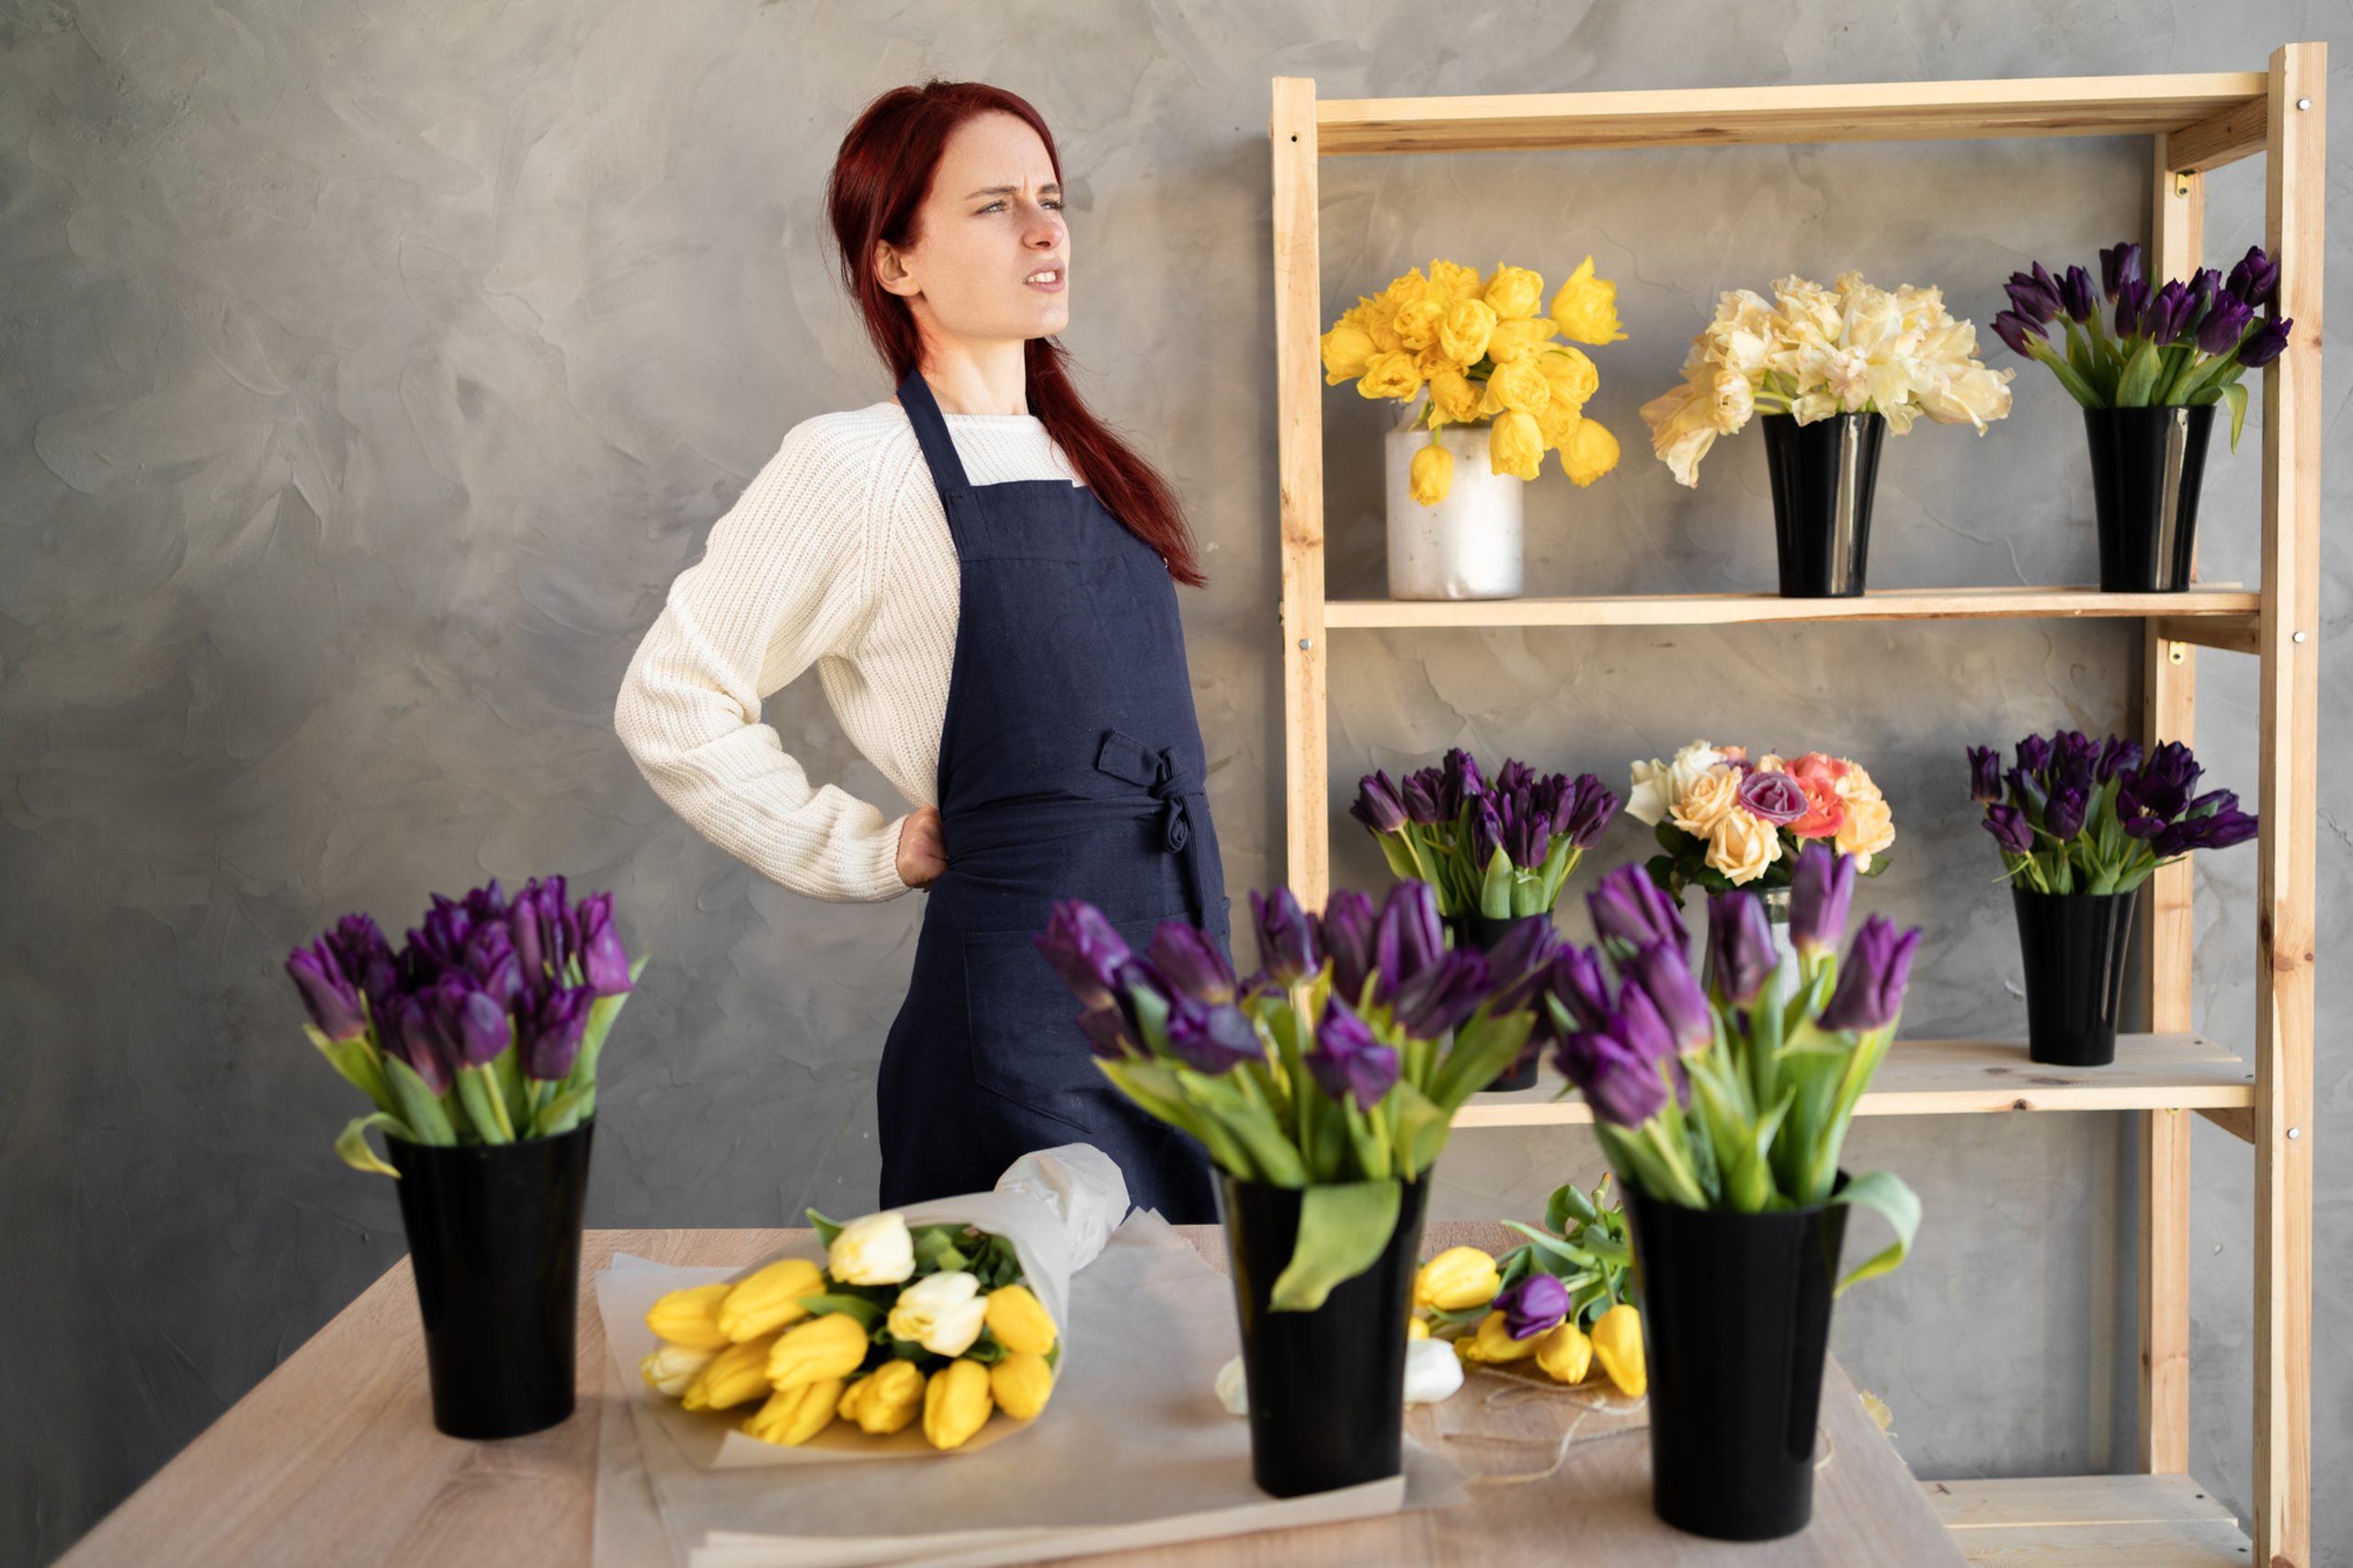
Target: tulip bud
x=884 y=1402
x=1565 y=1353
x=1021 y=1385
x=816 y=1351
x=876 y=1250
x=1457 y=1278
x=1019 y=1321
x=1432 y=1372
x=1417 y=1327
x=769 y=1299
x=1494 y=1341
x=956 y=1403
x=735 y=1374
x=669 y=1369
x=1432 y=475
x=793 y=1415
x=691 y=1317
x=1618 y=1346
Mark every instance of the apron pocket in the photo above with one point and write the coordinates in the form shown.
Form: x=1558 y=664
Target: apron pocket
x=1022 y=1023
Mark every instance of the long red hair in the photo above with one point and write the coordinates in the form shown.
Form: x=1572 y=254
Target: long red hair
x=880 y=177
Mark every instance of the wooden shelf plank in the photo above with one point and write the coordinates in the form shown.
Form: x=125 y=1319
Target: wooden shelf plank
x=1962 y=1077
x=2089 y=1521
x=1850 y=111
x=2225 y=603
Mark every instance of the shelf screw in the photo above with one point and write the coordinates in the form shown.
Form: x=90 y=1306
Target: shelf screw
x=1305 y=643
x=2295 y=1133
x=2304 y=103
x=2298 y=637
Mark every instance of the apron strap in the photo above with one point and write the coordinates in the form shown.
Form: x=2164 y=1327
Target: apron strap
x=931 y=431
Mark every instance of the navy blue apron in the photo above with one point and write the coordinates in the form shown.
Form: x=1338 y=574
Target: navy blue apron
x=1070 y=767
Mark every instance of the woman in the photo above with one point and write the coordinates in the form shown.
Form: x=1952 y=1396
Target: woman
x=982 y=573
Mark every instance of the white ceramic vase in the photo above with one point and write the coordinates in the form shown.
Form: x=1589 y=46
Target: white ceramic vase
x=1466 y=547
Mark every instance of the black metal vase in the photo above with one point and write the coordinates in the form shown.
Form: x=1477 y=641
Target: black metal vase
x=1735 y=1328
x=1823 y=474
x=2148 y=465
x=494 y=1241
x=1482 y=932
x=2076 y=947
x=1327 y=1387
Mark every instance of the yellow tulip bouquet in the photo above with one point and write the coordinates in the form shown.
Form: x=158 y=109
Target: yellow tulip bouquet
x=903 y=1324
x=1481 y=349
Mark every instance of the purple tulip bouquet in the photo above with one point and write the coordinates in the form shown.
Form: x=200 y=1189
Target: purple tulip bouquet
x=1336 y=1068
x=486 y=1027
x=2184 y=344
x=1500 y=850
x=1714 y=1096
x=2079 y=816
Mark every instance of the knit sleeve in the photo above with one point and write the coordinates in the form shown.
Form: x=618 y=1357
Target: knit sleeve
x=785 y=579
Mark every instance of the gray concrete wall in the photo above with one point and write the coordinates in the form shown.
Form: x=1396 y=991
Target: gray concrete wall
x=366 y=372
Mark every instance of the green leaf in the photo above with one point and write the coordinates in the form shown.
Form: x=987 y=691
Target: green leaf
x=478 y=1092
x=561 y=1114
x=1342 y=1230
x=1422 y=1130
x=1226 y=1102
x=1494 y=886
x=2140 y=377
x=1883 y=1193
x=826 y=1228
x=352 y=1144
x=2235 y=395
x=1568 y=1203
x=868 y=1313
x=1483 y=1048
x=421 y=1109
x=358 y=1061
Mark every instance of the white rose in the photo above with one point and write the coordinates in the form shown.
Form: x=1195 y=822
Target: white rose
x=1691 y=765
x=936 y=1308
x=1650 y=798
x=875 y=1250
x=1433 y=1371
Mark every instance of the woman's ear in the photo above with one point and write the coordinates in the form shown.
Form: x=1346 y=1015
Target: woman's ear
x=891 y=271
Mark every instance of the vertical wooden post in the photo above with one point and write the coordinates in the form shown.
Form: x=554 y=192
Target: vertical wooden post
x=2289 y=645
x=2169 y=686
x=1299 y=408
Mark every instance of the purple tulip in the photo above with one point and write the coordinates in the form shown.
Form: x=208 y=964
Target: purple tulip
x=2118 y=266
x=1576 y=979
x=2225 y=326
x=2017 y=331
x=2033 y=296
x=2220 y=831
x=1210 y=1037
x=1740 y=945
x=2168 y=314
x=2254 y=278
x=2204 y=284
x=2034 y=753
x=1535 y=1305
x=1190 y=960
x=2118 y=756
x=1821 y=890
x=1623 y=1088
x=1514 y=778
x=1486 y=831
x=2075 y=294
x=1871 y=980
x=1774 y=796
x=2131 y=305
x=2266 y=342
x=1410 y=937
x=2164 y=785
x=1458 y=782
x=1346 y=934
x=1984 y=775
x=329 y=994
x=604 y=962
x=1079 y=942
x=1664 y=977
x=2010 y=829
x=1631 y=912
x=1440 y=996
x=1347 y=1062
x=1287 y=949
x=1584 y=811
x=410 y=1033
x=471 y=1020
x=1134 y=978
x=547 y=1027
x=2073 y=761
x=1105 y=1032
x=1378 y=804
x=1419 y=794
x=1519 y=961
x=2063 y=818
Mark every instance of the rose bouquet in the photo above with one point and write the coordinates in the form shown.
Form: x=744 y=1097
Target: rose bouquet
x=1481 y=349
x=901 y=1324
x=1500 y=849
x=2184 y=344
x=1724 y=820
x=2076 y=816
x=486 y=1027
x=1812 y=352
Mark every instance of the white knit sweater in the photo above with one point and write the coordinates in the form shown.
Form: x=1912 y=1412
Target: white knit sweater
x=837 y=554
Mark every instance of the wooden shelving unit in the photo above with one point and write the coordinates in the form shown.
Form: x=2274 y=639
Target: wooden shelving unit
x=2263 y=1094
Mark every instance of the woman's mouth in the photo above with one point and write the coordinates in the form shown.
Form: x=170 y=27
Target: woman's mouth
x=1048 y=279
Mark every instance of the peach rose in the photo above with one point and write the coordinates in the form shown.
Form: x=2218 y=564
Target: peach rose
x=1870 y=827
x=1741 y=845
x=1707 y=800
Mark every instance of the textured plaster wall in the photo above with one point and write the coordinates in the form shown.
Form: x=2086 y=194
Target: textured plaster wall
x=366 y=372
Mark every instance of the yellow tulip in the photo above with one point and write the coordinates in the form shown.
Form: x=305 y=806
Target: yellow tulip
x=672 y=1367
x=1417 y=1327
x=1513 y=341
x=1432 y=475
x=1457 y=1278
x=1346 y=349
x=770 y=1299
x=1464 y=332
x=1455 y=281
x=1393 y=374
x=875 y=1250
x=1571 y=370
x=793 y=1416
x=819 y=1350
x=1432 y=361
x=1586 y=309
x=884 y=1402
x=691 y=1317
x=1456 y=394
x=1589 y=453
x=1557 y=423
x=956 y=1403
x=1564 y=1352
x=1019 y=1321
x=1515 y=292
x=1409 y=288
x=1515 y=445
x=1494 y=1341
x=1021 y=1385
x=1618 y=1346
x=1521 y=386
x=735 y=1374
x=1417 y=324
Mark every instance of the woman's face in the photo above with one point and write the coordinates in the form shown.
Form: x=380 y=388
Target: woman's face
x=991 y=259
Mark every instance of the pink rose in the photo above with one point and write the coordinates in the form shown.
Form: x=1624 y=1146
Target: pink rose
x=1776 y=797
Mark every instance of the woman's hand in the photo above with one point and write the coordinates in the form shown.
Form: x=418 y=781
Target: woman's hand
x=923 y=854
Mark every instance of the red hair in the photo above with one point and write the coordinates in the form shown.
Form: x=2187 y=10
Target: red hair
x=880 y=177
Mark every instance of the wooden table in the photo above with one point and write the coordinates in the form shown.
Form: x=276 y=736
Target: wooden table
x=333 y=1459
